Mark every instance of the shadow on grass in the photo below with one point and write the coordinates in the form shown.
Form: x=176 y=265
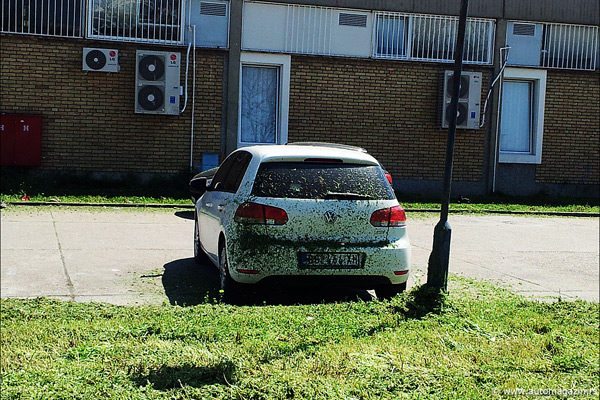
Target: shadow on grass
x=166 y=378
x=288 y=295
x=187 y=283
x=422 y=301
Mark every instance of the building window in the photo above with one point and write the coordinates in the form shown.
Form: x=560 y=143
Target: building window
x=264 y=99
x=260 y=100
x=43 y=17
x=431 y=38
x=390 y=36
x=522 y=116
x=570 y=47
x=517 y=99
x=157 y=21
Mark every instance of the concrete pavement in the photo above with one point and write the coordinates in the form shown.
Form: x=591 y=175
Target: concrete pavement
x=137 y=256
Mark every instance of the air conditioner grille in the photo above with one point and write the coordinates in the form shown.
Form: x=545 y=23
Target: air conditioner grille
x=95 y=59
x=151 y=98
x=213 y=9
x=152 y=67
x=463 y=91
x=524 y=29
x=358 y=20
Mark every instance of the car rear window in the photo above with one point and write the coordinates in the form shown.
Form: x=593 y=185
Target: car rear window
x=301 y=180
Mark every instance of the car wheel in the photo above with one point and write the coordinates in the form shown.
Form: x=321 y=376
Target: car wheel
x=229 y=287
x=386 y=292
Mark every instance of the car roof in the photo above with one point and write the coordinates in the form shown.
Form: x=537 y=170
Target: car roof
x=300 y=152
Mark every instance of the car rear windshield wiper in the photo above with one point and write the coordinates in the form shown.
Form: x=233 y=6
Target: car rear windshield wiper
x=345 y=196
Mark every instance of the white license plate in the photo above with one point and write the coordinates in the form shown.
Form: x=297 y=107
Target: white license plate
x=329 y=260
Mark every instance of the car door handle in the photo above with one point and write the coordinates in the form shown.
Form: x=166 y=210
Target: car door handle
x=208 y=205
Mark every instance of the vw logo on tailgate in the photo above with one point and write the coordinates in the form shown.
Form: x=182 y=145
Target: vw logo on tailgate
x=330 y=217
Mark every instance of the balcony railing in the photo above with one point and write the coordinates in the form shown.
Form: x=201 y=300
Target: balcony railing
x=43 y=17
x=570 y=47
x=431 y=38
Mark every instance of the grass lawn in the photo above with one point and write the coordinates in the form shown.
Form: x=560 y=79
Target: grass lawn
x=22 y=185
x=477 y=342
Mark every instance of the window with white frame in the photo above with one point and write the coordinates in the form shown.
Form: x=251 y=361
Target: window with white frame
x=264 y=99
x=157 y=21
x=431 y=38
x=522 y=116
x=43 y=17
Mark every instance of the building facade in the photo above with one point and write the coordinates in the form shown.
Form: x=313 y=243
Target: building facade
x=164 y=86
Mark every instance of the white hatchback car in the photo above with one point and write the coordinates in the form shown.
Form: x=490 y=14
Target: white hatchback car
x=305 y=213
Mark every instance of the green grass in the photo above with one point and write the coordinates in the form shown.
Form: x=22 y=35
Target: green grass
x=90 y=199
x=499 y=202
x=474 y=343
x=19 y=184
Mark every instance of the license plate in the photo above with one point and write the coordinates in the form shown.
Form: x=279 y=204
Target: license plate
x=329 y=260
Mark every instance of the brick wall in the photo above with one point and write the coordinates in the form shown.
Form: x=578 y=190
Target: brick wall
x=89 y=122
x=391 y=108
x=571 y=143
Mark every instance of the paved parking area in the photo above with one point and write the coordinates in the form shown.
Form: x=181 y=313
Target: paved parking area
x=133 y=256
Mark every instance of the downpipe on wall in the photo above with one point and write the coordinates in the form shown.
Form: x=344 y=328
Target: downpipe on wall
x=499 y=78
x=192 y=43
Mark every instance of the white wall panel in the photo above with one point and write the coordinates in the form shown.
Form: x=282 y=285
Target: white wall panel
x=351 y=40
x=211 y=19
x=306 y=30
x=264 y=27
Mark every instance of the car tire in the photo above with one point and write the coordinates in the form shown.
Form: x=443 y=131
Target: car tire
x=387 y=292
x=199 y=255
x=229 y=289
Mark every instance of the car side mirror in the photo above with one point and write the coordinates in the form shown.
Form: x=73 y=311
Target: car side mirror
x=198 y=186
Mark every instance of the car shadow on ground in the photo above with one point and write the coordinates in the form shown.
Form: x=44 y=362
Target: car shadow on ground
x=185 y=214
x=187 y=283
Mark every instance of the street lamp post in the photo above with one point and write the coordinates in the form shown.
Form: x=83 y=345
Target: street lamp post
x=437 y=273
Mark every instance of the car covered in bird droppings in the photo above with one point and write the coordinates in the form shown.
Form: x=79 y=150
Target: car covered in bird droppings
x=303 y=213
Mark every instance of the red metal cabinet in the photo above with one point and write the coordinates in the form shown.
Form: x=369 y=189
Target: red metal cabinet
x=20 y=140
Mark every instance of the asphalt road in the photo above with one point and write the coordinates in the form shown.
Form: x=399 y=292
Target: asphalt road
x=133 y=256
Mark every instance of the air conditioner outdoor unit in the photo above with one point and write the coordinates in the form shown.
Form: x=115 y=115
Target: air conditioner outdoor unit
x=468 y=101
x=100 y=60
x=157 y=82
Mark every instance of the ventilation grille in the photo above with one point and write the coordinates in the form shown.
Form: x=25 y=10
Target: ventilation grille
x=213 y=9
x=524 y=29
x=359 y=20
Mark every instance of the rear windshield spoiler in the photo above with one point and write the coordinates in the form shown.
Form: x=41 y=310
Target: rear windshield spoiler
x=320 y=160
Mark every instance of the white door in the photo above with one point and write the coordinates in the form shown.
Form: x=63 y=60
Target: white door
x=260 y=105
x=264 y=99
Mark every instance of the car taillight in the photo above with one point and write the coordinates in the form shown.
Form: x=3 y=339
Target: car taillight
x=252 y=213
x=389 y=217
x=388 y=176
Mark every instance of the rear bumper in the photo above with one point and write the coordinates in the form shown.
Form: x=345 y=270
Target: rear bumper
x=384 y=264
